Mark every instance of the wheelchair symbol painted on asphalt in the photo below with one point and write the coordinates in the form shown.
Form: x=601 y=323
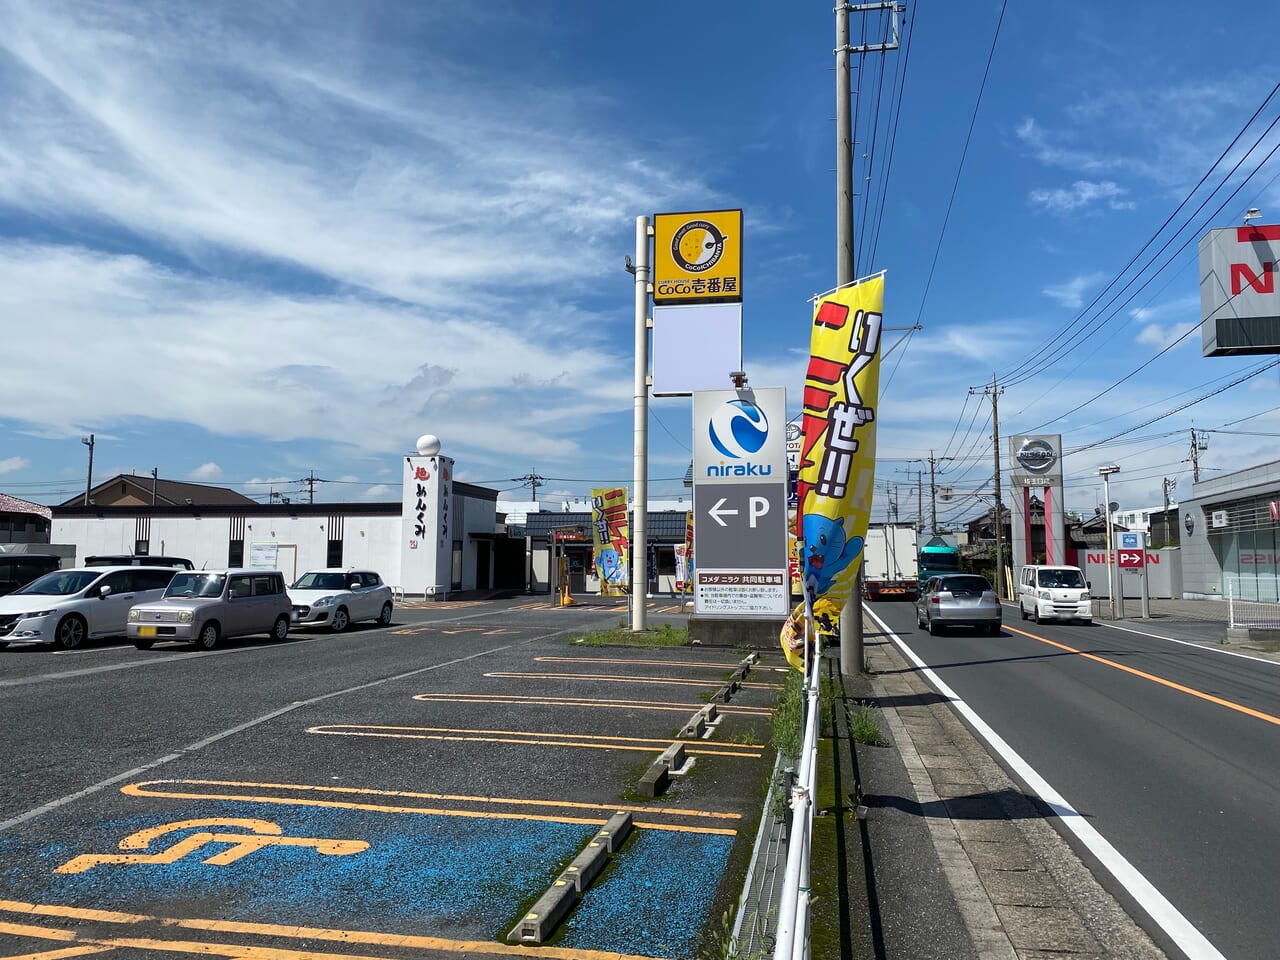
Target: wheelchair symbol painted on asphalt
x=262 y=834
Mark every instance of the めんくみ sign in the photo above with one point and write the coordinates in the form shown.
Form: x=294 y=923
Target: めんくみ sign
x=697 y=257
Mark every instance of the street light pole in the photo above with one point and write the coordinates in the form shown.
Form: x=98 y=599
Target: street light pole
x=1106 y=472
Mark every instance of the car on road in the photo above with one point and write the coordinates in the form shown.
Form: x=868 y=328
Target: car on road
x=958 y=600
x=64 y=608
x=207 y=606
x=338 y=597
x=1054 y=593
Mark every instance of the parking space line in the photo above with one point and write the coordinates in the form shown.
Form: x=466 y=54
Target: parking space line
x=517 y=699
x=530 y=739
x=241 y=951
x=609 y=678
x=148 y=789
x=725 y=665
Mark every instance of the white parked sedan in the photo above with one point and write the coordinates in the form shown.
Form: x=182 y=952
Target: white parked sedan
x=337 y=598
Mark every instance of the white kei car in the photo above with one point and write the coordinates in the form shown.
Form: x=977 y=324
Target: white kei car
x=338 y=597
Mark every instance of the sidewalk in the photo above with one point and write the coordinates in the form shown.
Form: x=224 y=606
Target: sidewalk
x=1020 y=891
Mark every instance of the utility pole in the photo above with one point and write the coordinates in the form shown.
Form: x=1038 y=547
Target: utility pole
x=994 y=392
x=920 y=502
x=1168 y=485
x=88 y=483
x=155 y=479
x=533 y=482
x=310 y=481
x=851 y=653
x=1197 y=444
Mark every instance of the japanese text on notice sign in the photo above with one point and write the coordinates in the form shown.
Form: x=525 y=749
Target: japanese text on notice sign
x=742 y=592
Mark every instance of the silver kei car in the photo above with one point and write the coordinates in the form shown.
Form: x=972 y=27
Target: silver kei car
x=337 y=597
x=205 y=606
x=958 y=600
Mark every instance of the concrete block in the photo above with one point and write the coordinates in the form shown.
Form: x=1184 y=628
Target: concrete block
x=545 y=915
x=673 y=756
x=761 y=634
x=655 y=781
x=710 y=712
x=614 y=833
x=695 y=728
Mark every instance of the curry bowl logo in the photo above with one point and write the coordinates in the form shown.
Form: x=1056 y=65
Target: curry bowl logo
x=697 y=246
x=738 y=429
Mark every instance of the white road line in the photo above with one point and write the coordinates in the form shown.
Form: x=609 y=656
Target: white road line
x=1189 y=643
x=1166 y=916
x=240 y=728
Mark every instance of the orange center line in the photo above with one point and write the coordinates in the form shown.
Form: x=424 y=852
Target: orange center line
x=1190 y=691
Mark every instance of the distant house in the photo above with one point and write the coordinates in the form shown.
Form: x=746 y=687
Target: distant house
x=22 y=521
x=130 y=490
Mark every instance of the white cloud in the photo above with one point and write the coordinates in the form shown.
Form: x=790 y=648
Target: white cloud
x=381 y=491
x=205 y=473
x=1081 y=194
x=1162 y=336
x=1071 y=294
x=13 y=464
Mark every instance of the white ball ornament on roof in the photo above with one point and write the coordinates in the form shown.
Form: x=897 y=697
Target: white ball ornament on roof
x=428 y=445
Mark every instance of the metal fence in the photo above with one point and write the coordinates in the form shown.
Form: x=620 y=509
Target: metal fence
x=793 y=903
x=1250 y=612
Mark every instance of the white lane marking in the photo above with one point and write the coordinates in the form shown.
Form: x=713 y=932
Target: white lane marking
x=239 y=728
x=1189 y=643
x=1166 y=916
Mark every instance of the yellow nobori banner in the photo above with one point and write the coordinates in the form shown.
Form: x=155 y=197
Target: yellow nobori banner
x=838 y=449
x=610 y=537
x=697 y=257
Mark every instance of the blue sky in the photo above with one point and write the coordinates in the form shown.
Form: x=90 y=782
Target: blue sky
x=241 y=242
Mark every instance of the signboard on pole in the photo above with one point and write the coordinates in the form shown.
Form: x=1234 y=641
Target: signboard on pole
x=697 y=257
x=740 y=503
x=1239 y=302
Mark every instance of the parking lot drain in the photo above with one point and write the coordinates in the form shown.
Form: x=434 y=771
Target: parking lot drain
x=565 y=891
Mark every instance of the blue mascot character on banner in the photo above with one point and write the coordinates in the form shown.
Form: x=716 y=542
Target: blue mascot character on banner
x=610 y=565
x=827 y=552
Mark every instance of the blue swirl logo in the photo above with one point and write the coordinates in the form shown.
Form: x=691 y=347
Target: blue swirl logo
x=738 y=429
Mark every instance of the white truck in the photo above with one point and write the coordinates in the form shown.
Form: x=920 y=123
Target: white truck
x=889 y=562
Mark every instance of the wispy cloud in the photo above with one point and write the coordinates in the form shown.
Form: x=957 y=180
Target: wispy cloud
x=1071 y=294
x=1080 y=195
x=206 y=473
x=1160 y=335
x=13 y=464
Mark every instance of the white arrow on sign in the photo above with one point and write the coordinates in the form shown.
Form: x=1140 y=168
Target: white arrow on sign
x=757 y=507
x=719 y=509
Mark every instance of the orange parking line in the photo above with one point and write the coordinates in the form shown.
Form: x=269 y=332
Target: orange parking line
x=515 y=698
x=285 y=932
x=1190 y=691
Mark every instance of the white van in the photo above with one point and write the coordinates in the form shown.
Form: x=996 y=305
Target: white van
x=1054 y=593
x=65 y=608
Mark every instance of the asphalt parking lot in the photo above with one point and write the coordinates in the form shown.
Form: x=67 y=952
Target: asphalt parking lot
x=416 y=788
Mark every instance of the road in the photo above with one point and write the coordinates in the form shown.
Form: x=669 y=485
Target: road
x=407 y=791
x=1169 y=749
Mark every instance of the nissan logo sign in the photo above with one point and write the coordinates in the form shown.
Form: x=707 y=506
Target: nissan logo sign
x=1037 y=455
x=1189 y=523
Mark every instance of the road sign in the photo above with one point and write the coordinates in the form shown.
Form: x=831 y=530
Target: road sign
x=740 y=486
x=1131 y=541
x=1130 y=558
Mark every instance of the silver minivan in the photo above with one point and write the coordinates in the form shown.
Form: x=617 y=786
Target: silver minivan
x=205 y=606
x=65 y=608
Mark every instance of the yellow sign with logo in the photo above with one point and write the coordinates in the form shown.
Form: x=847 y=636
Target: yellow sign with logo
x=697 y=257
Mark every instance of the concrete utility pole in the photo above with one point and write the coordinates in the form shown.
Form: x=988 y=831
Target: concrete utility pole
x=851 y=653
x=1197 y=444
x=995 y=436
x=88 y=483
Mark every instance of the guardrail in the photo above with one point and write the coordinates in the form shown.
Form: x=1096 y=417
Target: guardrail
x=793 y=903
